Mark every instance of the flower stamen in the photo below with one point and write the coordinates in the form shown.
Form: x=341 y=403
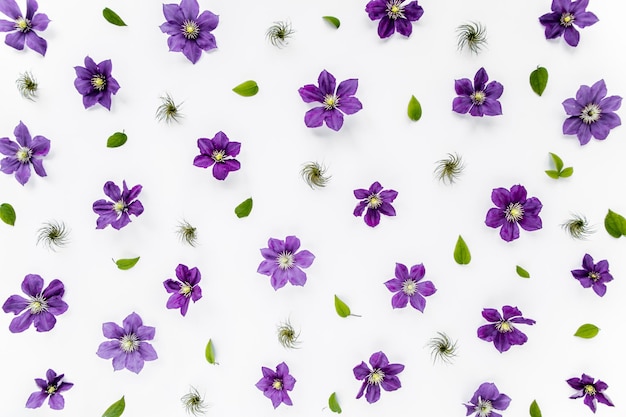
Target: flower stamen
x=484 y=408
x=99 y=82
x=190 y=29
x=590 y=113
x=478 y=98
x=23 y=25
x=374 y=201
x=185 y=289
x=503 y=326
x=567 y=19
x=285 y=260
x=218 y=155
x=589 y=389
x=375 y=377
x=277 y=384
x=409 y=287
x=330 y=101
x=38 y=304
x=120 y=206
x=24 y=154
x=395 y=10
x=129 y=343
x=514 y=212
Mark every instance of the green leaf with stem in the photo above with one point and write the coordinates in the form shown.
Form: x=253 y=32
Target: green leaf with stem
x=534 y=409
x=116 y=140
x=116 y=409
x=615 y=224
x=522 y=272
x=247 y=88
x=334 y=404
x=125 y=264
x=112 y=17
x=587 y=331
x=539 y=80
x=209 y=353
x=462 y=254
x=244 y=209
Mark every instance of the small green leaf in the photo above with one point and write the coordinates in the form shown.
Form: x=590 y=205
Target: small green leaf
x=522 y=272
x=414 y=109
x=567 y=172
x=558 y=162
x=615 y=224
x=462 y=254
x=587 y=331
x=244 y=209
x=116 y=409
x=334 y=404
x=332 y=20
x=539 y=80
x=342 y=308
x=552 y=174
x=112 y=17
x=117 y=139
x=209 y=353
x=247 y=88
x=7 y=214
x=125 y=264
x=534 y=409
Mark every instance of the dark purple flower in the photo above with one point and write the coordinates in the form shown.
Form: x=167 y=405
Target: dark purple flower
x=184 y=289
x=189 y=32
x=95 y=83
x=592 y=391
x=383 y=374
x=276 y=384
x=41 y=306
x=51 y=389
x=486 y=399
x=565 y=14
x=394 y=16
x=283 y=262
x=23 y=27
x=593 y=275
x=129 y=348
x=117 y=212
x=220 y=153
x=334 y=102
x=481 y=99
x=23 y=154
x=376 y=201
x=501 y=331
x=513 y=208
x=408 y=287
x=591 y=113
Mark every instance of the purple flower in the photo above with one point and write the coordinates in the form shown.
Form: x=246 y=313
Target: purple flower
x=376 y=201
x=95 y=83
x=283 y=262
x=513 y=208
x=593 y=275
x=501 y=331
x=394 y=16
x=591 y=113
x=41 y=306
x=129 y=348
x=481 y=99
x=23 y=27
x=407 y=287
x=565 y=14
x=334 y=102
x=220 y=153
x=189 y=32
x=51 y=389
x=486 y=399
x=117 y=212
x=383 y=374
x=276 y=384
x=592 y=391
x=23 y=154
x=185 y=288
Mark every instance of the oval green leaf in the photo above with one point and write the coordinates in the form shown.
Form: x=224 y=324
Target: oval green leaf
x=125 y=264
x=539 y=80
x=534 y=409
x=117 y=139
x=615 y=224
x=342 y=308
x=567 y=172
x=334 y=404
x=414 y=109
x=209 y=353
x=112 y=17
x=558 y=162
x=462 y=254
x=553 y=174
x=7 y=214
x=522 y=272
x=332 y=20
x=247 y=88
x=587 y=331
x=116 y=409
x=244 y=209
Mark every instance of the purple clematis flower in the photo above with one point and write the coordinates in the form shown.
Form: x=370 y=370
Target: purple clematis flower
x=184 y=289
x=41 y=306
x=129 y=348
x=383 y=374
x=565 y=14
x=593 y=275
x=334 y=102
x=189 y=32
x=592 y=391
x=513 y=208
x=95 y=83
x=218 y=152
x=376 y=201
x=394 y=16
x=21 y=155
x=591 y=113
x=117 y=212
x=408 y=287
x=276 y=384
x=23 y=27
x=283 y=262
x=486 y=399
x=501 y=331
x=51 y=389
x=481 y=99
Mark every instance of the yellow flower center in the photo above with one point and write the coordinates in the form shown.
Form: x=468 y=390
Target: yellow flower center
x=594 y=276
x=478 y=97
x=504 y=326
x=51 y=389
x=129 y=343
x=514 y=212
x=375 y=377
x=567 y=19
x=24 y=154
x=120 y=206
x=99 y=82
x=277 y=384
x=185 y=289
x=190 y=29
x=589 y=389
x=590 y=113
x=218 y=156
x=409 y=287
x=285 y=260
x=484 y=408
x=374 y=201
x=395 y=9
x=37 y=304
x=330 y=101
x=23 y=25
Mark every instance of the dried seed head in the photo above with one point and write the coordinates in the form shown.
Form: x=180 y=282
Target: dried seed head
x=287 y=335
x=194 y=403
x=27 y=86
x=53 y=235
x=314 y=174
x=279 y=33
x=450 y=169
x=187 y=233
x=472 y=36
x=442 y=348
x=168 y=110
x=578 y=227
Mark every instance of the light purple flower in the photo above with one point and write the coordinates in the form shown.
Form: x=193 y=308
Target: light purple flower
x=592 y=391
x=486 y=399
x=408 y=287
x=383 y=374
x=501 y=331
x=117 y=212
x=593 y=275
x=129 y=348
x=276 y=384
x=376 y=201
x=513 y=208
x=394 y=15
x=283 y=262
x=218 y=152
x=23 y=27
x=189 y=32
x=40 y=307
x=95 y=83
x=184 y=289
x=480 y=99
x=22 y=154
x=51 y=389
x=334 y=102
x=591 y=113
x=565 y=14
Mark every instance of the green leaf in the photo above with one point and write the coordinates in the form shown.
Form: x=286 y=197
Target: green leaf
x=342 y=308
x=209 y=353
x=333 y=404
x=522 y=272
x=247 y=88
x=117 y=139
x=7 y=214
x=615 y=224
x=415 y=109
x=116 y=409
x=558 y=162
x=539 y=80
x=462 y=254
x=112 y=17
x=125 y=264
x=553 y=174
x=332 y=20
x=567 y=172
x=587 y=331
x=534 y=409
x=244 y=209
